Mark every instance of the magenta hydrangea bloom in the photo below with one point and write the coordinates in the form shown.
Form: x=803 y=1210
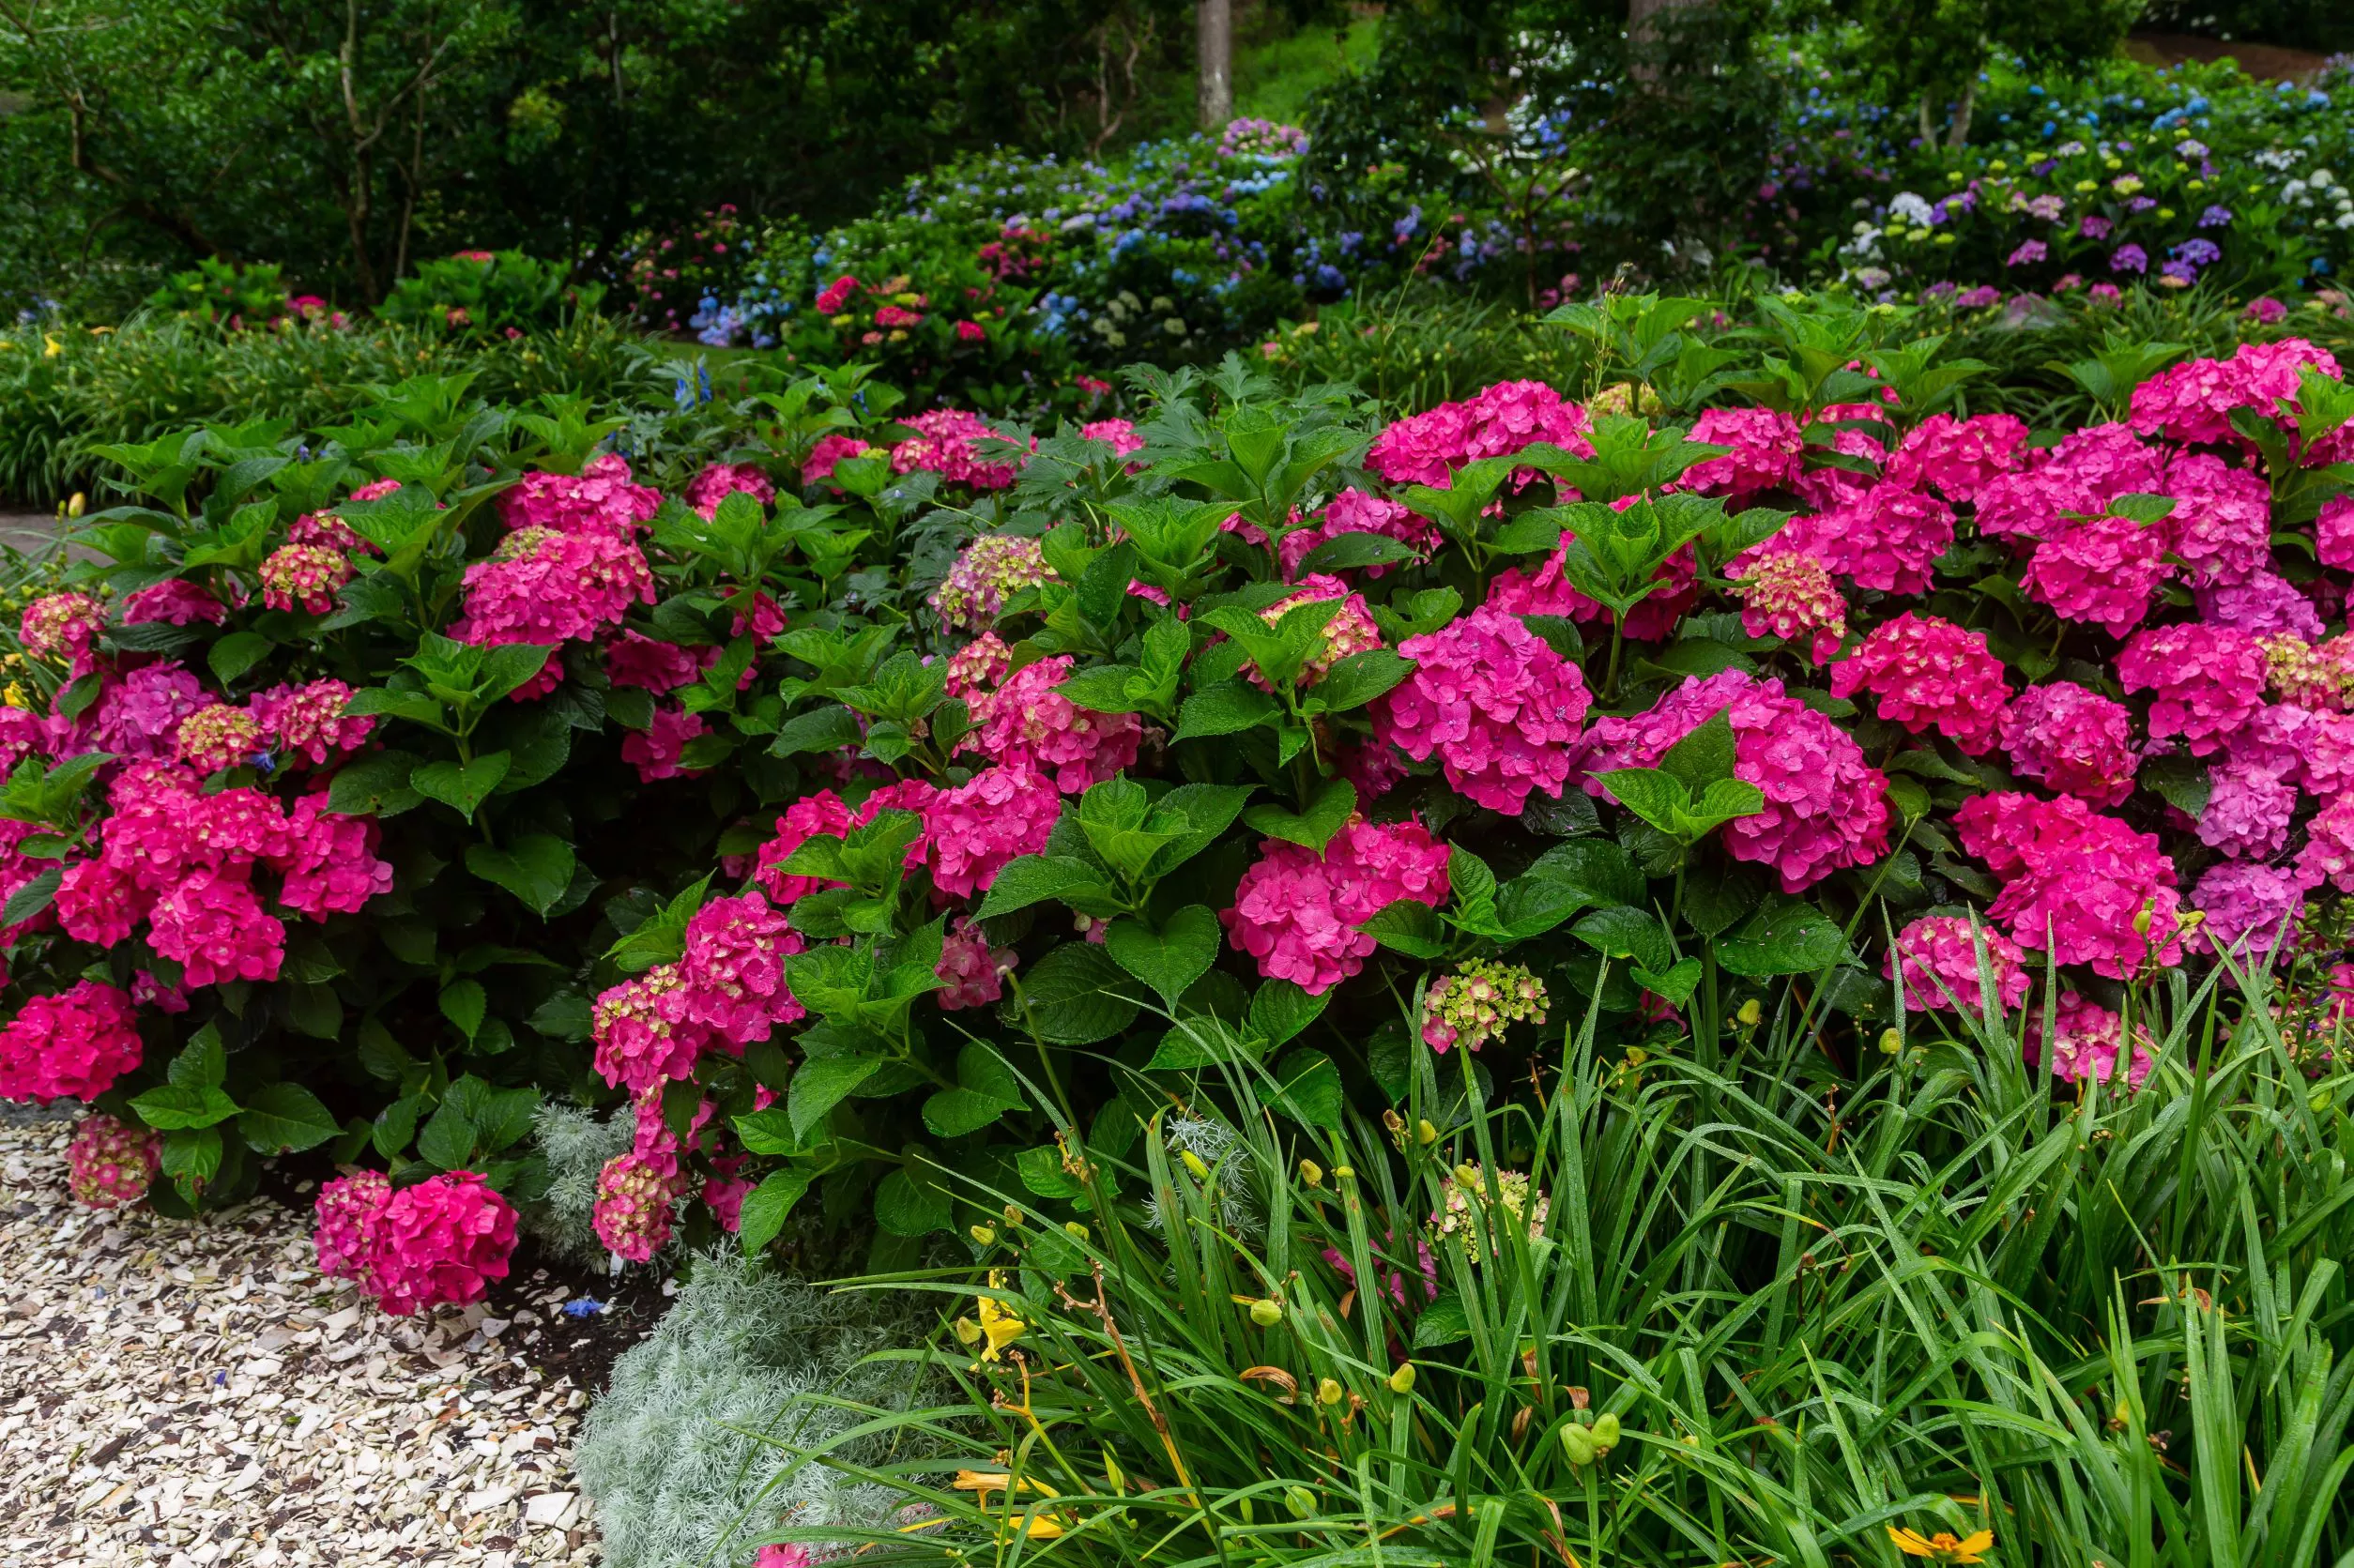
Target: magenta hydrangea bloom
x=655 y=751
x=718 y=480
x=989 y=572
x=1297 y=912
x=1357 y=511
x=2263 y=604
x=2333 y=533
x=1929 y=673
x=2222 y=522
x=1496 y=704
x=1119 y=435
x=441 y=1241
x=71 y=1045
x=644 y=1036
x=2071 y=740
x=1027 y=724
x=1884 y=537
x=733 y=970
x=2251 y=910
x=1498 y=421
x=974 y=971
x=830 y=450
x=2104 y=570
x=549 y=587
x=1941 y=965
x=139 y=716
x=1825 y=807
x=975 y=830
x=1957 y=457
x=632 y=1215
x=2074 y=881
x=979 y=667
x=218 y=737
x=1766 y=445
x=326 y=529
x=309 y=721
x=2250 y=801
x=213 y=924
x=60 y=626
x=344 y=1228
x=822 y=814
x=174 y=602
x=943 y=444
x=601 y=499
x=307 y=575
x=1351 y=631
x=108 y=1164
x=2192 y=401
x=2329 y=852
x=1788 y=595
x=634 y=659
x=2086 y=1038
x=2037 y=503
x=330 y=865
x=2205 y=681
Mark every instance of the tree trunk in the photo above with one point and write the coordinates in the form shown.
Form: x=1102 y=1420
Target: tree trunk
x=1214 y=25
x=1642 y=35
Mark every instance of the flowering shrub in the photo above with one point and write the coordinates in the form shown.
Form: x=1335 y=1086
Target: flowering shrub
x=851 y=833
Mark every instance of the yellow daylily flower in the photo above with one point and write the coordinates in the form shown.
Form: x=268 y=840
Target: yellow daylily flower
x=998 y=1327
x=1942 y=1548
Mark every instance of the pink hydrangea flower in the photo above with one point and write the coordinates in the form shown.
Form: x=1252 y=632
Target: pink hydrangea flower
x=1515 y=592
x=1027 y=724
x=60 y=626
x=214 y=926
x=310 y=722
x=550 y=587
x=644 y=1037
x=344 y=1230
x=943 y=444
x=304 y=575
x=2333 y=533
x=2222 y=522
x=1825 y=807
x=1496 y=704
x=2035 y=504
x=1958 y=458
x=2192 y=400
x=218 y=737
x=70 y=1045
x=655 y=751
x=330 y=864
x=1502 y=419
x=2104 y=570
x=975 y=830
x=139 y=716
x=1765 y=451
x=733 y=970
x=976 y=971
x=2249 y=805
x=634 y=659
x=175 y=601
x=2074 y=881
x=326 y=529
x=2205 y=681
x=1357 y=511
x=108 y=1164
x=632 y=1215
x=718 y=480
x=2329 y=852
x=1885 y=537
x=2251 y=910
x=821 y=814
x=2071 y=740
x=1351 y=629
x=987 y=573
x=1941 y=965
x=1297 y=913
x=1930 y=673
x=2262 y=604
x=601 y=499
x=724 y=1196
x=2086 y=1038
x=976 y=669
x=1118 y=434
x=441 y=1241
x=1788 y=595
x=830 y=450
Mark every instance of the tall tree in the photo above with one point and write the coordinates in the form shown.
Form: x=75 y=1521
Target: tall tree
x=1214 y=23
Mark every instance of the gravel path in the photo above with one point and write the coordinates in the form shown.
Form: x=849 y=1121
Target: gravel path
x=184 y=1394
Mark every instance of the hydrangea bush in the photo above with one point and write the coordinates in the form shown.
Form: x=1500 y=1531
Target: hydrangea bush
x=899 y=793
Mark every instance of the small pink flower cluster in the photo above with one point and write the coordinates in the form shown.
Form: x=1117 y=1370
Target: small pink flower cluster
x=718 y=480
x=329 y=532
x=1027 y=724
x=217 y=737
x=1788 y=595
x=1930 y=673
x=1298 y=913
x=437 y=1242
x=726 y=991
x=1357 y=511
x=1351 y=631
x=1958 y=458
x=977 y=668
x=632 y=1215
x=1825 y=806
x=1477 y=1001
x=139 y=716
x=830 y=449
x=976 y=971
x=310 y=722
x=2073 y=740
x=975 y=830
x=2086 y=1038
x=1941 y=965
x=1766 y=446
x=2192 y=401
x=989 y=570
x=1117 y=434
x=602 y=499
x=943 y=444
x=2206 y=681
x=175 y=601
x=2251 y=910
x=2104 y=570
x=71 y=1045
x=61 y=626
x=2080 y=477
x=2086 y=887
x=1883 y=536
x=657 y=750
x=309 y=575
x=109 y=1164
x=1502 y=419
x=1493 y=702
x=634 y=659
